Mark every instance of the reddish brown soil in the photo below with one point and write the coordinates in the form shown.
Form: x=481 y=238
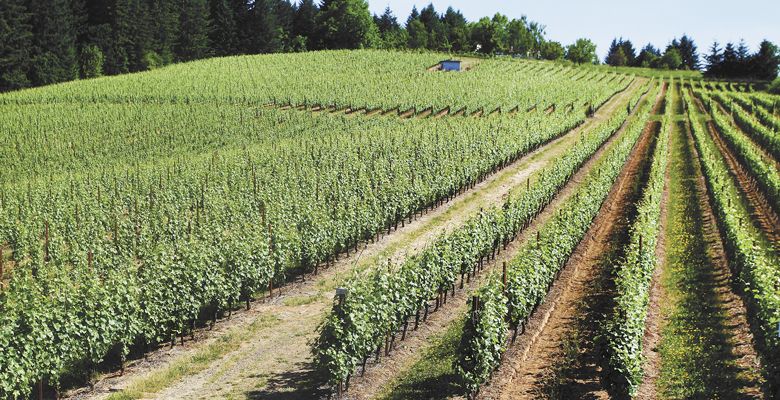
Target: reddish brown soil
x=425 y=113
x=374 y=380
x=408 y=113
x=442 y=113
x=265 y=353
x=739 y=335
x=654 y=323
x=557 y=357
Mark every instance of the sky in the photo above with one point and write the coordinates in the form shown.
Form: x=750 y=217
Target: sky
x=656 y=21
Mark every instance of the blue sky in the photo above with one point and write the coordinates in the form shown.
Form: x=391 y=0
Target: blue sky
x=657 y=21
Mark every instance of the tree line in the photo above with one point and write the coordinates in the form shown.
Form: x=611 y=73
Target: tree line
x=734 y=62
x=49 y=41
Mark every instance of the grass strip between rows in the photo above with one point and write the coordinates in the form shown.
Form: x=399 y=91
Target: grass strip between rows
x=754 y=267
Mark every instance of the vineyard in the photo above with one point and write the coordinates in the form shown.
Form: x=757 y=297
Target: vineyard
x=357 y=224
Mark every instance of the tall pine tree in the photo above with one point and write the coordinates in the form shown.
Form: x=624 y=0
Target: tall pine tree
x=15 y=42
x=304 y=27
x=689 y=53
x=390 y=31
x=193 y=42
x=54 y=54
x=223 y=35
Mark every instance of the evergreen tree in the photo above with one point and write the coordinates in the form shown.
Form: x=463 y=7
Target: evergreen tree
x=628 y=51
x=284 y=13
x=437 y=35
x=347 y=24
x=617 y=58
x=54 y=56
x=387 y=22
x=457 y=29
x=743 y=52
x=141 y=55
x=164 y=32
x=223 y=35
x=15 y=43
x=647 y=57
x=688 y=53
x=414 y=15
x=418 y=35
x=91 y=61
x=714 y=60
x=765 y=63
x=116 y=39
x=730 y=64
x=304 y=27
x=612 y=52
x=390 y=31
x=193 y=42
x=265 y=28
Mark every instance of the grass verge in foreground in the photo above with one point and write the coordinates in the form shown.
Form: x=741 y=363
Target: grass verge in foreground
x=433 y=375
x=194 y=363
x=697 y=358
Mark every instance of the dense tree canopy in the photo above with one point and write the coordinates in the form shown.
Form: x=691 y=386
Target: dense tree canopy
x=736 y=61
x=582 y=51
x=15 y=42
x=43 y=42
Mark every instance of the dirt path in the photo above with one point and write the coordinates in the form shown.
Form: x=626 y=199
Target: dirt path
x=377 y=380
x=706 y=346
x=557 y=356
x=258 y=371
x=277 y=355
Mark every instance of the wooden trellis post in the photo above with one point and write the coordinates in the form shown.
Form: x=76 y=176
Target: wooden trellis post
x=503 y=275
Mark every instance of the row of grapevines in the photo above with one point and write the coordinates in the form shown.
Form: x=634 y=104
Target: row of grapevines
x=345 y=79
x=104 y=258
x=758 y=109
x=749 y=124
x=378 y=305
x=746 y=152
x=533 y=270
x=753 y=265
x=625 y=328
x=767 y=101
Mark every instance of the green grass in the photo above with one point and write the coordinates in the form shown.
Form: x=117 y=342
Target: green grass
x=697 y=360
x=300 y=300
x=194 y=363
x=432 y=375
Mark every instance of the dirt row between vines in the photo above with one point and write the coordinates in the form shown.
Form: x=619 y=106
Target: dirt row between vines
x=377 y=379
x=258 y=371
x=288 y=321
x=556 y=356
